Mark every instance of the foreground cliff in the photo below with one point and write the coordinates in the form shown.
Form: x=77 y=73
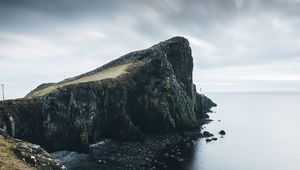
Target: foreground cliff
x=144 y=92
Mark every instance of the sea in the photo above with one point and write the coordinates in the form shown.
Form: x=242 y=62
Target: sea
x=262 y=133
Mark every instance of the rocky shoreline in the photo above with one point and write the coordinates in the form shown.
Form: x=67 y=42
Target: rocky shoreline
x=163 y=152
x=155 y=152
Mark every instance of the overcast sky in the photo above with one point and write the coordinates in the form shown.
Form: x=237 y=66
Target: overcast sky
x=237 y=45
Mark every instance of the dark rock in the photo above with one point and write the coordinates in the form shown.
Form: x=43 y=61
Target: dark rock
x=122 y=100
x=208 y=140
x=222 y=132
x=3 y=132
x=206 y=134
x=35 y=155
x=207 y=104
x=214 y=138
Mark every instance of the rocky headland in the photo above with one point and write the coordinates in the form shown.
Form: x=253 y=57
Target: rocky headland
x=143 y=103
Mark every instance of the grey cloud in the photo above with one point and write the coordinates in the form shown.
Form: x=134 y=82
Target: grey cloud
x=60 y=34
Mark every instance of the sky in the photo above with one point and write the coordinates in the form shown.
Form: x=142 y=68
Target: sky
x=237 y=45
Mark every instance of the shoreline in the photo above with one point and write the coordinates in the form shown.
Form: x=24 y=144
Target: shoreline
x=156 y=152
x=171 y=151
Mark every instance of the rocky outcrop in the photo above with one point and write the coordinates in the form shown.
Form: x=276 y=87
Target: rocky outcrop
x=144 y=92
x=35 y=156
x=30 y=156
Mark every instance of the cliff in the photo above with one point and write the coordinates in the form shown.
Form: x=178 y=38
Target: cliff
x=144 y=92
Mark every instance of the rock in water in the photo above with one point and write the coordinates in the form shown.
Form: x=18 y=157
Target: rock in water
x=206 y=134
x=222 y=132
x=144 y=92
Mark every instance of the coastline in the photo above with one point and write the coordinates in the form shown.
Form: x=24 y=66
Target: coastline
x=172 y=151
x=155 y=152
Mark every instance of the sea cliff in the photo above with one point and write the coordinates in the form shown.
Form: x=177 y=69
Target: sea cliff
x=146 y=92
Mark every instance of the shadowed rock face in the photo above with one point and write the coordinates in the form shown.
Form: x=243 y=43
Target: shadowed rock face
x=144 y=92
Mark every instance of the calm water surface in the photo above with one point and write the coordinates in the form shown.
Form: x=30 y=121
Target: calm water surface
x=263 y=133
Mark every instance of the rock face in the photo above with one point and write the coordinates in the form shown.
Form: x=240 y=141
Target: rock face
x=36 y=156
x=31 y=156
x=144 y=92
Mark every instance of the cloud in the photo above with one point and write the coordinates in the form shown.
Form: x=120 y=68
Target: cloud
x=43 y=40
x=281 y=76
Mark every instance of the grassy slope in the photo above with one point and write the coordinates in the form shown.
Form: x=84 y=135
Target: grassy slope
x=105 y=74
x=8 y=160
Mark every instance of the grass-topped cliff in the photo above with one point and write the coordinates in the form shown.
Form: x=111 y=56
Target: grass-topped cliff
x=144 y=92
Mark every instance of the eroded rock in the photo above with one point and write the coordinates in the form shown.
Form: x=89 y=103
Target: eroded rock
x=144 y=92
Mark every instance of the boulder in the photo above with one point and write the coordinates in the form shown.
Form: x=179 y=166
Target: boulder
x=214 y=138
x=208 y=140
x=207 y=134
x=222 y=132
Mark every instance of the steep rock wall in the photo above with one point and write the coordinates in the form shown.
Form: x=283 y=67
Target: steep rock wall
x=156 y=95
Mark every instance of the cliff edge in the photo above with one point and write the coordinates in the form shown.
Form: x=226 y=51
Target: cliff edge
x=144 y=92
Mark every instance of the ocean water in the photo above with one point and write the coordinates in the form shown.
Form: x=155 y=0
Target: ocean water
x=263 y=133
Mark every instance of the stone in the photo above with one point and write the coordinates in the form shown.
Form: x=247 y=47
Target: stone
x=207 y=134
x=33 y=158
x=208 y=140
x=222 y=132
x=2 y=132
